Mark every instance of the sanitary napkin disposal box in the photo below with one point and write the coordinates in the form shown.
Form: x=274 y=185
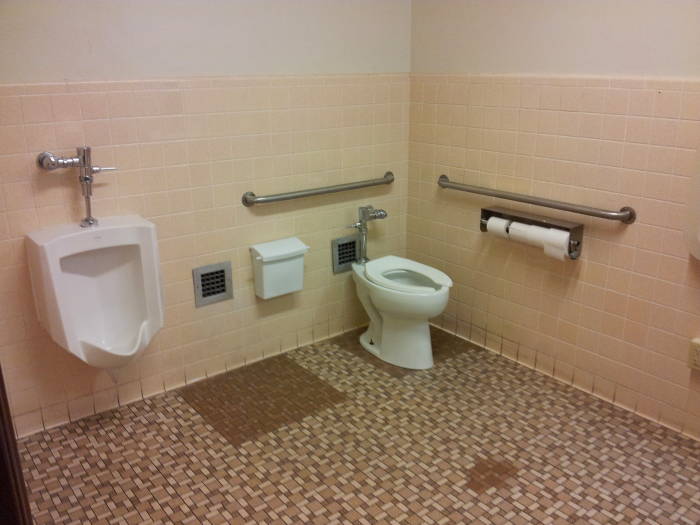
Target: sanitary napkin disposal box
x=278 y=267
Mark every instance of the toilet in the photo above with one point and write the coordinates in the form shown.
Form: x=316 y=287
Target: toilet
x=97 y=290
x=400 y=296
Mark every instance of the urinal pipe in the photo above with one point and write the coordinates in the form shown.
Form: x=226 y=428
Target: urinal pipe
x=86 y=179
x=83 y=160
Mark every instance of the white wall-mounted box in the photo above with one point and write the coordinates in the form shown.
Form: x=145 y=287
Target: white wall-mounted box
x=278 y=267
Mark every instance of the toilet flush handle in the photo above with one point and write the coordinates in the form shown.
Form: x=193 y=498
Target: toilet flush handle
x=100 y=169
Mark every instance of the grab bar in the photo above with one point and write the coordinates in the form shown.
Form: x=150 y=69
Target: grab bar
x=626 y=213
x=249 y=198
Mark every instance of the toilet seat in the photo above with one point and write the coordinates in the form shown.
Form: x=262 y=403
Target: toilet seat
x=377 y=270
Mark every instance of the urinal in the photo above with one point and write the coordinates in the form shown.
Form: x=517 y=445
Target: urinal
x=97 y=290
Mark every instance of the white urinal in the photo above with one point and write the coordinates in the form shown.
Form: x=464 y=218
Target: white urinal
x=97 y=290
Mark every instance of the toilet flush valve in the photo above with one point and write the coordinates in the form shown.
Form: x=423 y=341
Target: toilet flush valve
x=366 y=214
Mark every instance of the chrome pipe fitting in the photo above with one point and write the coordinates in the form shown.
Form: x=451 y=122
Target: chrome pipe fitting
x=83 y=161
x=366 y=214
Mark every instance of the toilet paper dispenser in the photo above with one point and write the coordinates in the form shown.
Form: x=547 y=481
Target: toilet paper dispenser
x=506 y=221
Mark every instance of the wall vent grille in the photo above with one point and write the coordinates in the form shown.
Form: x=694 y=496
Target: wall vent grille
x=345 y=251
x=212 y=283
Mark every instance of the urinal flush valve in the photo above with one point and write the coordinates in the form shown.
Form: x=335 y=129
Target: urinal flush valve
x=82 y=161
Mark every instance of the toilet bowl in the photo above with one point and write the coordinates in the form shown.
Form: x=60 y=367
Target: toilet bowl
x=400 y=296
x=97 y=290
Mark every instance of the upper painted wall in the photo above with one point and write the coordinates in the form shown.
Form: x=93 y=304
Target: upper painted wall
x=590 y=37
x=68 y=40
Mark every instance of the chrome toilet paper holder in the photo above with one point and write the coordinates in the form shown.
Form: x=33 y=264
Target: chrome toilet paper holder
x=575 y=229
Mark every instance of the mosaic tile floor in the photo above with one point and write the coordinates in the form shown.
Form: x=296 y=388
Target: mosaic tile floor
x=328 y=434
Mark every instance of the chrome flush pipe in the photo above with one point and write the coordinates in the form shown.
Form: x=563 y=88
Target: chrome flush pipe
x=82 y=160
x=366 y=214
x=86 y=178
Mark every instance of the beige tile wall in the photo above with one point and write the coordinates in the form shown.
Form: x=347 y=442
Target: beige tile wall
x=186 y=150
x=617 y=321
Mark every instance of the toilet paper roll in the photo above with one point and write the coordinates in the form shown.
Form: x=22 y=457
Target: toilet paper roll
x=554 y=241
x=498 y=226
x=538 y=235
x=525 y=233
x=556 y=244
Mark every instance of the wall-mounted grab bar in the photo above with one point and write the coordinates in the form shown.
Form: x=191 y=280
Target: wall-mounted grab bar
x=626 y=214
x=249 y=198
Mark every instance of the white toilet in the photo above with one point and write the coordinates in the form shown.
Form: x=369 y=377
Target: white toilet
x=400 y=296
x=97 y=290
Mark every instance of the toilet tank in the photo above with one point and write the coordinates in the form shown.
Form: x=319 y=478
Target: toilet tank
x=278 y=267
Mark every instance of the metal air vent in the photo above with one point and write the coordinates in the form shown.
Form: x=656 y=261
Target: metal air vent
x=346 y=251
x=212 y=283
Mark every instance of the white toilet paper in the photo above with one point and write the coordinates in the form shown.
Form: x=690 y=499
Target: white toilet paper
x=524 y=233
x=554 y=241
x=498 y=226
x=538 y=235
x=556 y=244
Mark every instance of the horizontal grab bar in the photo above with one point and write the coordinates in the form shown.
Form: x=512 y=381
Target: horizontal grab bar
x=626 y=214
x=249 y=198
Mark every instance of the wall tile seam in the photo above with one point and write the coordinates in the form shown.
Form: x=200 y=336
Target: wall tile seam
x=196 y=83
x=524 y=107
x=111 y=112
x=632 y=145
x=683 y=115
x=193 y=138
x=218 y=113
x=628 y=170
x=216 y=140
x=159 y=118
x=525 y=132
x=691 y=83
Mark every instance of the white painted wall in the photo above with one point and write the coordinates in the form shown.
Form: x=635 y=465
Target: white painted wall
x=56 y=40
x=621 y=37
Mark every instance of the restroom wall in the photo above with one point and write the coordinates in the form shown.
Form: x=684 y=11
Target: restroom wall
x=196 y=103
x=88 y=40
x=187 y=149
x=594 y=103
x=616 y=322
x=328 y=103
x=562 y=37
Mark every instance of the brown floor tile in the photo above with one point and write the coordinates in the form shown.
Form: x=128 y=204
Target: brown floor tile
x=329 y=434
x=260 y=398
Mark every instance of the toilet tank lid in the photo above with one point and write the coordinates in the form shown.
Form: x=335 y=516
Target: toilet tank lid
x=278 y=250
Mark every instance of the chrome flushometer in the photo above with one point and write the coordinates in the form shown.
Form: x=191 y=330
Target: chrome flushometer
x=366 y=214
x=83 y=161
